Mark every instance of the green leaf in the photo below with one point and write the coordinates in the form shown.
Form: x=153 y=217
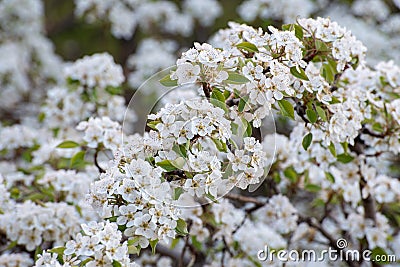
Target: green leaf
x=59 y=251
x=116 y=264
x=181 y=227
x=78 y=159
x=153 y=124
x=318 y=202
x=332 y=149
x=174 y=242
x=168 y=82
x=248 y=47
x=12 y=245
x=114 y=90
x=38 y=251
x=330 y=177
x=328 y=73
x=307 y=141
x=377 y=127
x=41 y=116
x=298 y=31
x=133 y=241
x=218 y=100
x=344 y=158
x=321 y=113
x=178 y=162
x=234 y=128
x=242 y=103
x=311 y=115
x=153 y=244
x=321 y=46
x=249 y=128
x=312 y=188
x=286 y=108
x=236 y=78
x=335 y=100
x=178 y=192
x=291 y=174
x=298 y=73
x=134 y=250
x=211 y=197
x=68 y=144
x=166 y=165
x=287 y=27
x=196 y=243
x=83 y=263
x=221 y=146
x=227 y=93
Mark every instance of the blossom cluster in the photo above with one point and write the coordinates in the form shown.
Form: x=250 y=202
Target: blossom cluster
x=125 y=16
x=29 y=224
x=178 y=187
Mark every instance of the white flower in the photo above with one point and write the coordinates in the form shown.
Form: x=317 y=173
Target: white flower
x=187 y=73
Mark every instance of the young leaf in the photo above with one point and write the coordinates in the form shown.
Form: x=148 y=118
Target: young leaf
x=168 y=82
x=78 y=159
x=221 y=146
x=287 y=27
x=181 y=227
x=234 y=127
x=166 y=165
x=291 y=174
x=286 y=108
x=218 y=100
x=116 y=264
x=330 y=177
x=57 y=250
x=112 y=90
x=236 y=78
x=344 y=158
x=328 y=73
x=242 y=103
x=321 y=113
x=177 y=192
x=153 y=244
x=178 y=162
x=298 y=73
x=312 y=188
x=152 y=124
x=248 y=47
x=307 y=141
x=298 y=31
x=321 y=46
x=311 y=115
x=68 y=144
x=332 y=149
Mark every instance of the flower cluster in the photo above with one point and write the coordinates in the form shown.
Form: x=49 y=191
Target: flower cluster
x=101 y=131
x=125 y=16
x=29 y=224
x=96 y=71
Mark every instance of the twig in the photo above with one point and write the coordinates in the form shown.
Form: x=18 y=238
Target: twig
x=244 y=199
x=101 y=170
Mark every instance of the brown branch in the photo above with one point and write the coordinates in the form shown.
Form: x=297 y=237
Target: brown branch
x=244 y=199
x=96 y=163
